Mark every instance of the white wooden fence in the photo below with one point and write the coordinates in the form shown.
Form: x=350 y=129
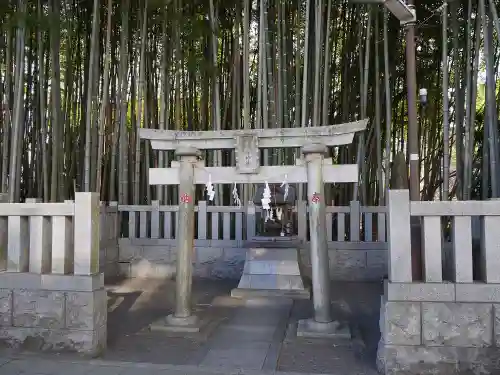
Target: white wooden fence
x=352 y=223
x=467 y=263
x=58 y=238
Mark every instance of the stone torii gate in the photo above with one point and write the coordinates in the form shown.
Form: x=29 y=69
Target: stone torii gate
x=313 y=169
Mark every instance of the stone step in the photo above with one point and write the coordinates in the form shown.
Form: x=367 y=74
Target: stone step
x=274 y=293
x=258 y=267
x=275 y=242
x=271 y=282
x=265 y=254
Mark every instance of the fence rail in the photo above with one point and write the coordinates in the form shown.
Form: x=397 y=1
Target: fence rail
x=353 y=223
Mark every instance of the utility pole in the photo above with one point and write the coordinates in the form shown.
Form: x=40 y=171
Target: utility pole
x=405 y=13
x=413 y=141
x=411 y=81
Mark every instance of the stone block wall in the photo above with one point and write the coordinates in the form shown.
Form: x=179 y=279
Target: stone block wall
x=356 y=264
x=217 y=259
x=53 y=312
x=441 y=328
x=221 y=259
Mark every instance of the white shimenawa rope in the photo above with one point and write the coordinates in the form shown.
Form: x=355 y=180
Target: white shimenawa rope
x=266 y=196
x=236 y=197
x=266 y=199
x=210 y=189
x=285 y=184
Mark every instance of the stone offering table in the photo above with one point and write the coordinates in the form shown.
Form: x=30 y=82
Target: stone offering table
x=272 y=269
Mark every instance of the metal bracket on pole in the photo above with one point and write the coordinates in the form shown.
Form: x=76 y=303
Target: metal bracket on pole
x=412 y=20
x=405 y=13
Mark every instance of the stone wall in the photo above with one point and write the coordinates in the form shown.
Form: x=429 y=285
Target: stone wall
x=224 y=259
x=53 y=312
x=441 y=328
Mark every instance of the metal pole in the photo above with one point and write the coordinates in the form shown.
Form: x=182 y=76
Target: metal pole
x=388 y=110
x=314 y=155
x=411 y=78
x=185 y=238
x=446 y=129
x=413 y=143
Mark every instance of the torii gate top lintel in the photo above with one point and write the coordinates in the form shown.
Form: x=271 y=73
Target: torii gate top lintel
x=332 y=135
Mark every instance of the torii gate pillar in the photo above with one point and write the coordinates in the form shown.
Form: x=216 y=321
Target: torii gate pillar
x=321 y=324
x=314 y=154
x=183 y=319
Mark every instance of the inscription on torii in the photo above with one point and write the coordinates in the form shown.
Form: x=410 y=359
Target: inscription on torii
x=247 y=154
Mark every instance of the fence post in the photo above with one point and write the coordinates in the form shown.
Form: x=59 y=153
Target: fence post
x=354 y=216
x=302 y=220
x=462 y=250
x=4 y=198
x=490 y=246
x=103 y=222
x=399 y=240
x=40 y=241
x=202 y=220
x=155 y=219
x=250 y=221
x=18 y=244
x=116 y=220
x=63 y=243
x=4 y=231
x=87 y=236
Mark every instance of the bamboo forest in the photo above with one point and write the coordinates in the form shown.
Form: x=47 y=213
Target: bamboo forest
x=78 y=78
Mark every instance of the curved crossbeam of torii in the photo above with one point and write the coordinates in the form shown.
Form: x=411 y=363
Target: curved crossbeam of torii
x=313 y=168
x=247 y=143
x=332 y=135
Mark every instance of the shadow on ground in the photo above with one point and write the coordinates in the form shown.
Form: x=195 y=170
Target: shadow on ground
x=135 y=304
x=359 y=305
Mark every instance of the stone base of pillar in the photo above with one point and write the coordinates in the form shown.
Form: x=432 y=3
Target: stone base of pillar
x=174 y=324
x=309 y=328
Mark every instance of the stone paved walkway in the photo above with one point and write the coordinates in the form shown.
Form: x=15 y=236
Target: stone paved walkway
x=247 y=339
x=252 y=338
x=28 y=365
